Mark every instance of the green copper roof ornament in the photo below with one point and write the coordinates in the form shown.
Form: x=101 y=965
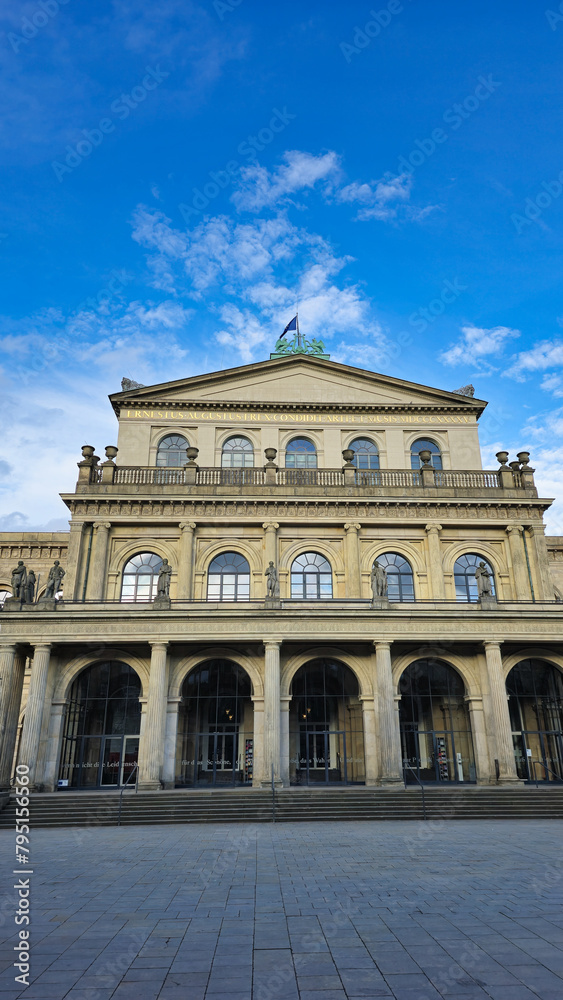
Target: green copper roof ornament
x=299 y=345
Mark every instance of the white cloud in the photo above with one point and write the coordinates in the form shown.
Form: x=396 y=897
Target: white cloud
x=259 y=188
x=545 y=354
x=475 y=344
x=263 y=268
x=379 y=199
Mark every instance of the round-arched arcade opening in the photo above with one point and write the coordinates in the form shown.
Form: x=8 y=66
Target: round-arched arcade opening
x=215 y=727
x=326 y=735
x=435 y=727
x=102 y=723
x=535 y=700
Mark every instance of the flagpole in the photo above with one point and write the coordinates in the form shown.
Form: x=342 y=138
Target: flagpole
x=299 y=341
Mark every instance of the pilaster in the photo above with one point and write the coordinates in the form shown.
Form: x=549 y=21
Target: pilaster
x=352 y=543
x=388 y=731
x=435 y=558
x=185 y=561
x=97 y=580
x=501 y=739
x=272 y=709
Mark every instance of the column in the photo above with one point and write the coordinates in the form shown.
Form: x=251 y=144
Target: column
x=484 y=771
x=33 y=719
x=170 y=742
x=272 y=708
x=435 y=556
x=185 y=561
x=258 y=769
x=352 y=548
x=539 y=548
x=72 y=561
x=12 y=667
x=502 y=736
x=521 y=582
x=270 y=545
x=370 y=740
x=391 y=771
x=96 y=583
x=284 y=741
x=54 y=739
x=151 y=749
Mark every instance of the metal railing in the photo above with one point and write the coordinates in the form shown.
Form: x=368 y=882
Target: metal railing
x=546 y=768
x=407 y=767
x=366 y=478
x=135 y=772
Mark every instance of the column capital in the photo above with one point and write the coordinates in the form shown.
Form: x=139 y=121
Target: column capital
x=270 y=525
x=157 y=644
x=272 y=642
x=493 y=643
x=514 y=527
x=42 y=645
x=188 y=525
x=7 y=647
x=433 y=527
x=75 y=525
x=382 y=645
x=102 y=525
x=352 y=526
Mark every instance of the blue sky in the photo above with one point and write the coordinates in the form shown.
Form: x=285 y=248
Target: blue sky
x=175 y=176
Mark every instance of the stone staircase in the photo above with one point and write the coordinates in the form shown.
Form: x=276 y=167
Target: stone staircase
x=93 y=809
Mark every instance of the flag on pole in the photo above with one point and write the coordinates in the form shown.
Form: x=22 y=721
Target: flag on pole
x=292 y=325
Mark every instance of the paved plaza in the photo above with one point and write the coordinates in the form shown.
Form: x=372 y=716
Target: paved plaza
x=316 y=911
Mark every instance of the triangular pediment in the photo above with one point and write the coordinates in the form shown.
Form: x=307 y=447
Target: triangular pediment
x=298 y=380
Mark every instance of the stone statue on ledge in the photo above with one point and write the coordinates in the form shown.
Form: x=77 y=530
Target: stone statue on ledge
x=379 y=585
x=54 y=580
x=30 y=587
x=19 y=580
x=484 y=584
x=163 y=586
x=271 y=575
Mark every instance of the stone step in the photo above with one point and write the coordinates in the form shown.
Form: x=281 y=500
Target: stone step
x=91 y=809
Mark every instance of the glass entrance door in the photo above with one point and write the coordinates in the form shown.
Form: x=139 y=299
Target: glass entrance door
x=322 y=757
x=434 y=757
x=118 y=760
x=545 y=760
x=220 y=758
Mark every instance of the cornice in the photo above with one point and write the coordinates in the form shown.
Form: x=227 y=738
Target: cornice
x=363 y=508
x=268 y=407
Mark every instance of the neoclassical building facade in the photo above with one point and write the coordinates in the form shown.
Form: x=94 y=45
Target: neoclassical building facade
x=220 y=621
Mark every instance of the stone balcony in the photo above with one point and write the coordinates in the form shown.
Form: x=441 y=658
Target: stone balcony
x=111 y=479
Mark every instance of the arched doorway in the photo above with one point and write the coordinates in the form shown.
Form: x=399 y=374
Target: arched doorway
x=535 y=700
x=326 y=735
x=435 y=727
x=215 y=727
x=101 y=728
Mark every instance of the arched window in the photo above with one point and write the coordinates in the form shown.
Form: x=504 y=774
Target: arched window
x=301 y=454
x=102 y=726
x=326 y=738
x=228 y=578
x=466 y=588
x=400 y=580
x=140 y=577
x=535 y=701
x=4 y=594
x=311 y=577
x=435 y=726
x=366 y=454
x=238 y=453
x=215 y=726
x=172 y=451
x=422 y=444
